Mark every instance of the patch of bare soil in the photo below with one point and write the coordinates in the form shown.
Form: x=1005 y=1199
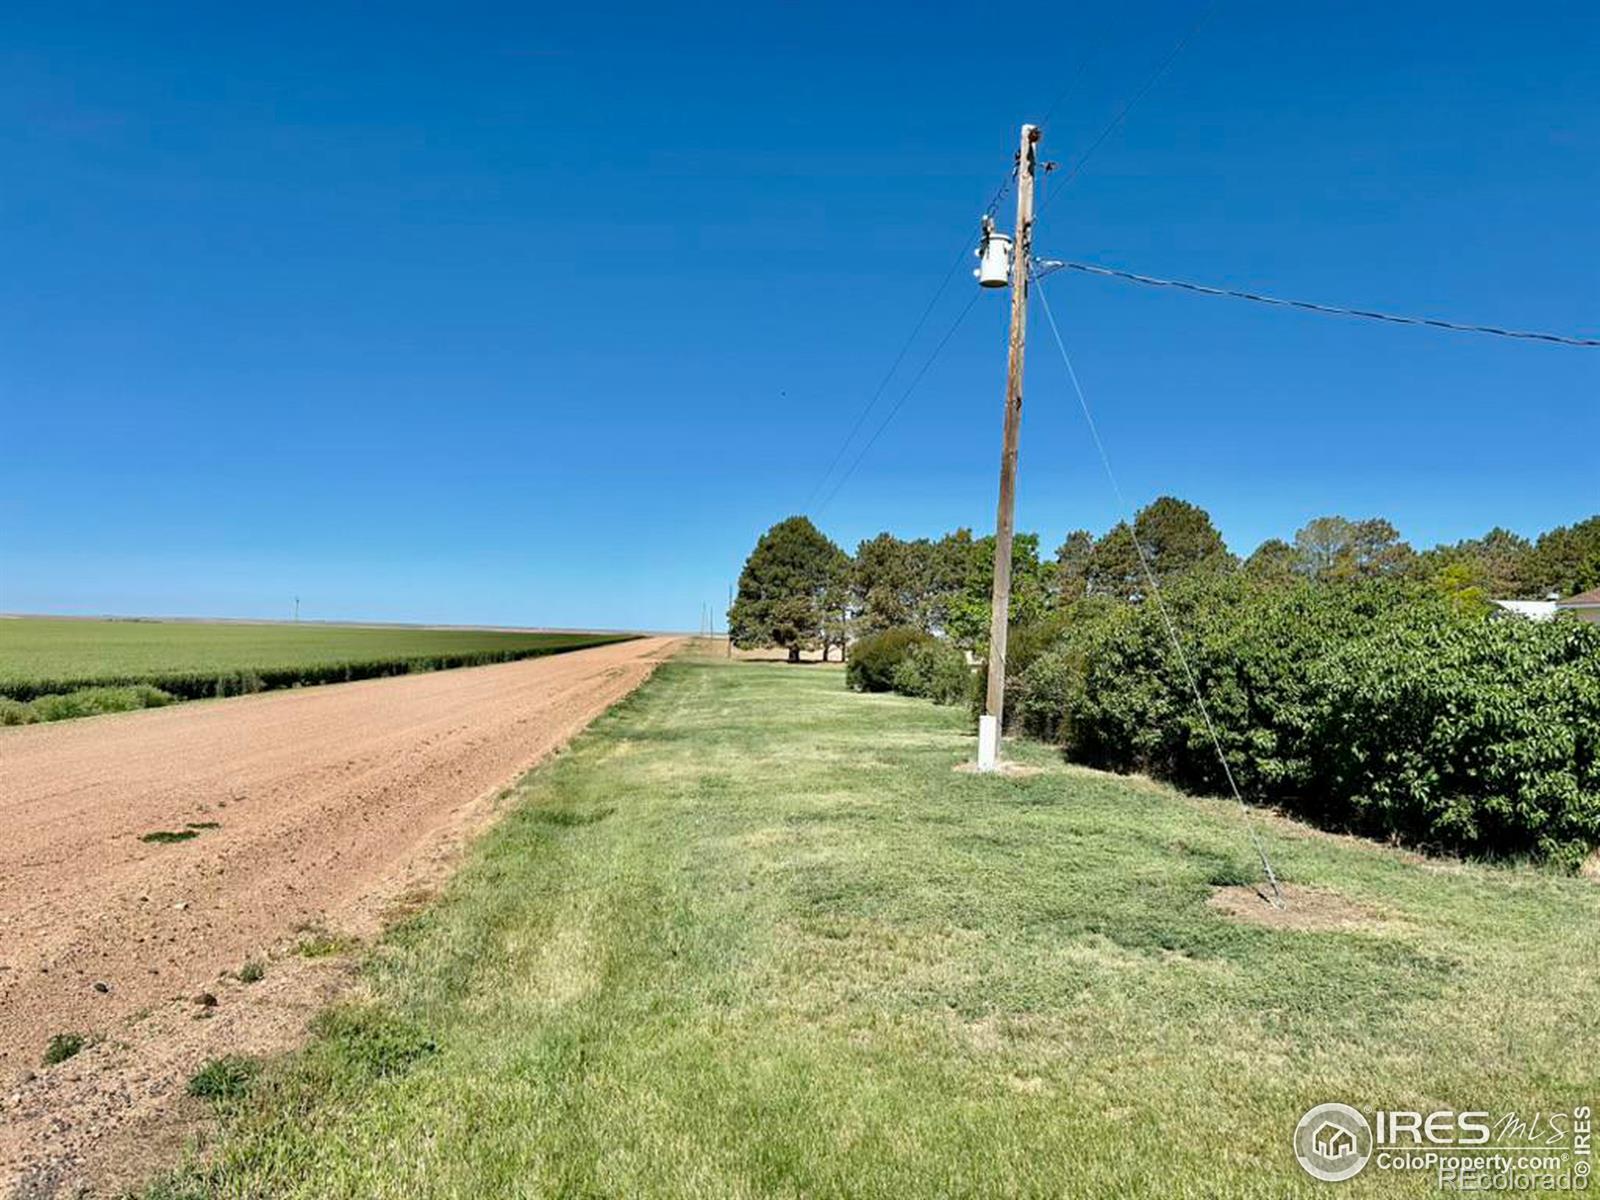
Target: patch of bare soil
x=1304 y=908
x=1005 y=769
x=719 y=647
x=337 y=808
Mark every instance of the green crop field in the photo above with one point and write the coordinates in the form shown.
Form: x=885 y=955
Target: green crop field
x=752 y=936
x=52 y=667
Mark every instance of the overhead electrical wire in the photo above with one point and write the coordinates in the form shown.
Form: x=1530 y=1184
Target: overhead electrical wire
x=906 y=395
x=989 y=210
x=883 y=383
x=877 y=393
x=1150 y=81
x=1050 y=266
x=1161 y=605
x=1072 y=83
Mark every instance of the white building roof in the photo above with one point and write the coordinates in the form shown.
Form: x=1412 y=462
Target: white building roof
x=1533 y=610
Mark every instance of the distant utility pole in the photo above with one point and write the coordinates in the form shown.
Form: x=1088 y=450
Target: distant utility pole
x=297 y=609
x=1022 y=257
x=728 y=621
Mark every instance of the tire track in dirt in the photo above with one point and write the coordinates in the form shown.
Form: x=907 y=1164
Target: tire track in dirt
x=331 y=804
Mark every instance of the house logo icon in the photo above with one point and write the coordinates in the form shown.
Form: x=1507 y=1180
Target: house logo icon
x=1333 y=1142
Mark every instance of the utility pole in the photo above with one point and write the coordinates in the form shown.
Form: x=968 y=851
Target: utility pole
x=1022 y=257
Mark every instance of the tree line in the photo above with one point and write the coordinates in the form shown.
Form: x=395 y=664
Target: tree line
x=800 y=591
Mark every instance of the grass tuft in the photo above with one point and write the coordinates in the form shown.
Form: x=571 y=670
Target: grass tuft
x=165 y=837
x=64 y=1046
x=321 y=942
x=368 y=1040
x=570 y=818
x=227 y=1078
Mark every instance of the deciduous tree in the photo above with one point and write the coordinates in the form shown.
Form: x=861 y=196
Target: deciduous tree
x=1335 y=547
x=969 y=609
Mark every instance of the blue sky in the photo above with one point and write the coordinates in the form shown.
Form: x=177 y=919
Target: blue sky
x=540 y=314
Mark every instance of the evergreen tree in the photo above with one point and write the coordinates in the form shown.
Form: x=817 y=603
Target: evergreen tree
x=785 y=589
x=1178 y=537
x=1072 y=566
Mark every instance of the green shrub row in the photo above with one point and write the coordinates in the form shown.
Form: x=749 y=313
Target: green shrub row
x=875 y=658
x=1372 y=708
x=87 y=702
x=912 y=662
x=199 y=685
x=937 y=671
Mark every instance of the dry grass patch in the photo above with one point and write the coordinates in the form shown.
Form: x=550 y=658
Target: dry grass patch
x=1310 y=909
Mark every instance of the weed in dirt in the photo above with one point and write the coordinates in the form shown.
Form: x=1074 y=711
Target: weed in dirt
x=63 y=1046
x=254 y=971
x=166 y=837
x=321 y=942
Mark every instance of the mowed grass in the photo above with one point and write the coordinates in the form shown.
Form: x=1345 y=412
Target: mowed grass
x=42 y=657
x=752 y=936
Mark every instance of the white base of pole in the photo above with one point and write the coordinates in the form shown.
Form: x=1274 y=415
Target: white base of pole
x=988 y=742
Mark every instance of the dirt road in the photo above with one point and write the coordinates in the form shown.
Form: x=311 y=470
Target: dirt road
x=312 y=808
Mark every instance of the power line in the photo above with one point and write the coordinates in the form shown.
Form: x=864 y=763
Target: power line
x=877 y=393
x=906 y=395
x=1150 y=82
x=1048 y=266
x=990 y=210
x=1072 y=82
x=1161 y=605
x=883 y=383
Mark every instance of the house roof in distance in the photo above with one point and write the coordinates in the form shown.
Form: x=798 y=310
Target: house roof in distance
x=1533 y=610
x=1589 y=599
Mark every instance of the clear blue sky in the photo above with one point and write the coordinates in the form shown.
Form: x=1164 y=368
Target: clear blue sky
x=540 y=314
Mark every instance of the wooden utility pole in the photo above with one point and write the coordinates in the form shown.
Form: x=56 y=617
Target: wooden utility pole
x=1022 y=257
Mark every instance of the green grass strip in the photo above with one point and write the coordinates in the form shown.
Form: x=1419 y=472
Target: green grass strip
x=754 y=937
